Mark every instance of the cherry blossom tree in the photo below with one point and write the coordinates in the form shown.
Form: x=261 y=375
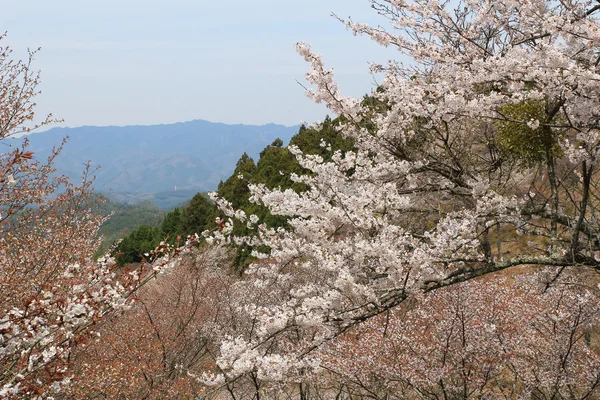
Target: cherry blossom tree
x=52 y=290
x=49 y=286
x=476 y=157
x=499 y=338
x=157 y=347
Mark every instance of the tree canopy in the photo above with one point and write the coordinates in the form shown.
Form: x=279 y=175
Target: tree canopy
x=273 y=169
x=438 y=239
x=477 y=158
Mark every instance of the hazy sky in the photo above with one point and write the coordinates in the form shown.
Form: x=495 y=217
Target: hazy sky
x=123 y=62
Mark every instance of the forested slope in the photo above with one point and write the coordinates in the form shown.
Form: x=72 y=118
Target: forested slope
x=273 y=169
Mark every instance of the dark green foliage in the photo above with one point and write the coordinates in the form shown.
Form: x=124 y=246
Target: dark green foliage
x=197 y=215
x=175 y=227
x=126 y=217
x=516 y=140
x=235 y=189
x=171 y=225
x=273 y=169
x=138 y=242
x=309 y=139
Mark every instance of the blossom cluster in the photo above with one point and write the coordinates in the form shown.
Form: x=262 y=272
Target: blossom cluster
x=432 y=196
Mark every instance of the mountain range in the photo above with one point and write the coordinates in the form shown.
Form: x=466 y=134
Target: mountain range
x=156 y=161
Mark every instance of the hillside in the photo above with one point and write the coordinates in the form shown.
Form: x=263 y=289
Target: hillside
x=137 y=161
x=273 y=168
x=124 y=218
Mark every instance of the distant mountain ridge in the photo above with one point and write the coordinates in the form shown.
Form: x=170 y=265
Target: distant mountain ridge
x=137 y=160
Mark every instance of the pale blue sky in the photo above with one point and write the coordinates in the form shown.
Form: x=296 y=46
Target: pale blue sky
x=123 y=62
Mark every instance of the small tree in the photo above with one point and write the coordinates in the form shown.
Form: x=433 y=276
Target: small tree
x=52 y=290
x=154 y=349
x=49 y=287
x=440 y=188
